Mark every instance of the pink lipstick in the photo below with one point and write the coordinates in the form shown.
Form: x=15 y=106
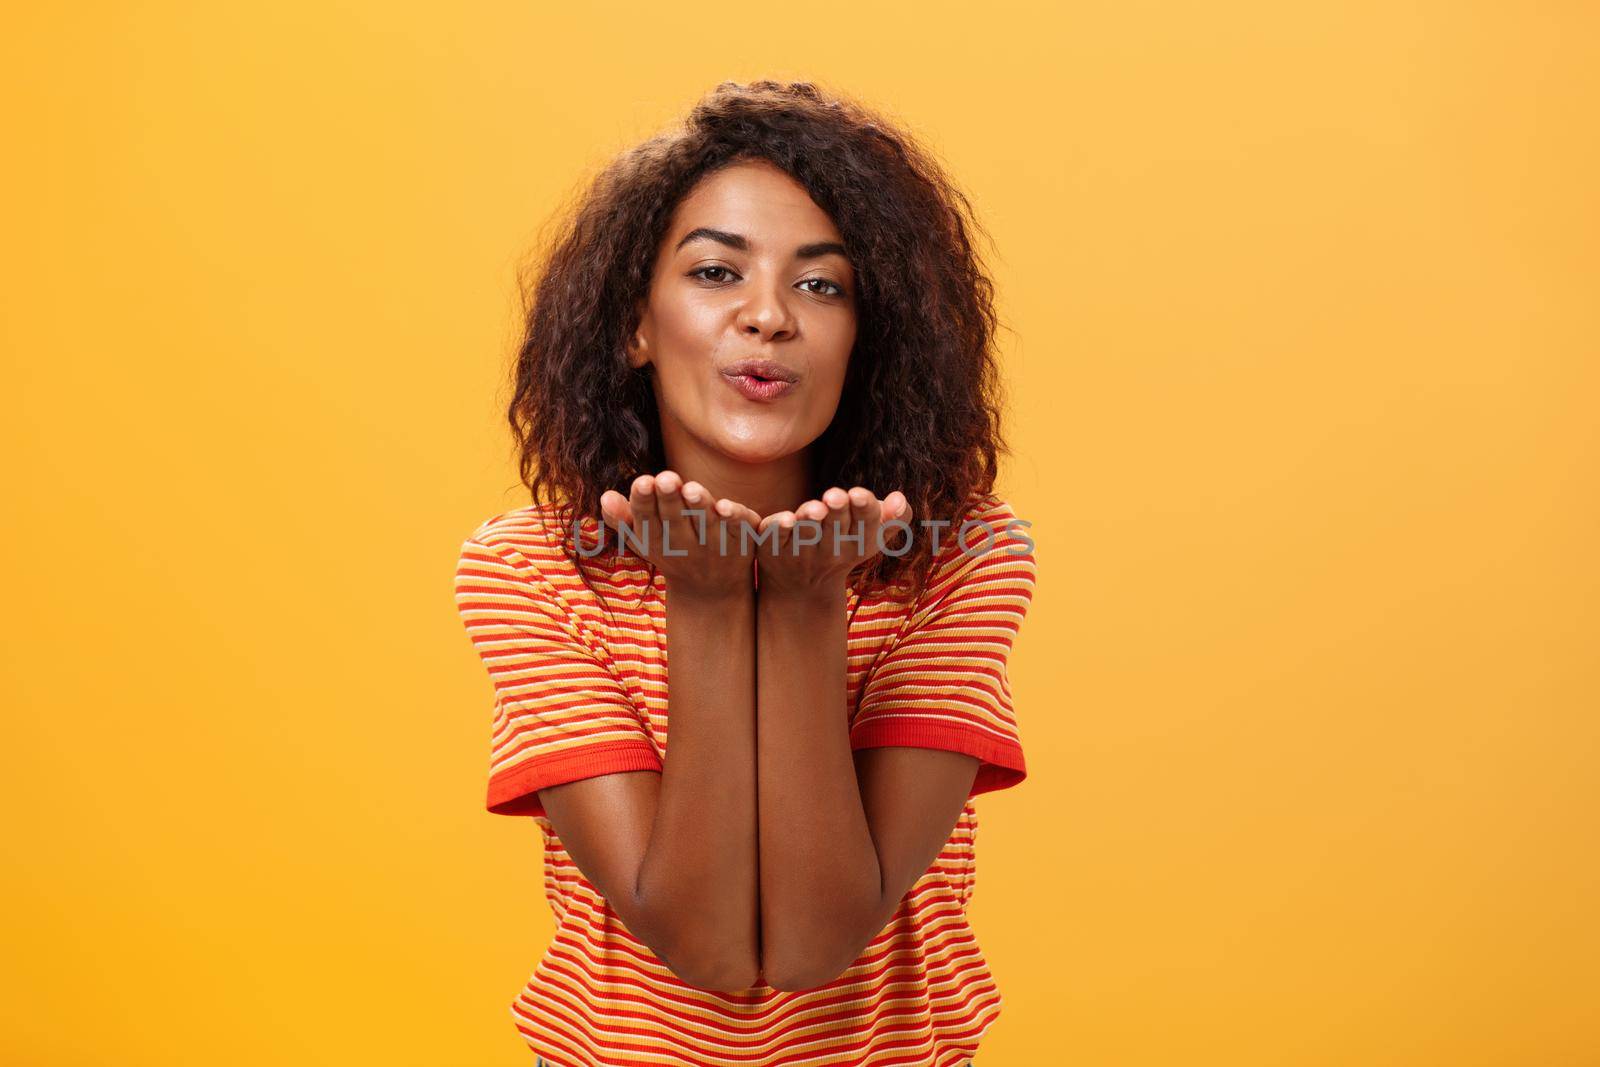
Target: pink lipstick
x=760 y=379
x=754 y=388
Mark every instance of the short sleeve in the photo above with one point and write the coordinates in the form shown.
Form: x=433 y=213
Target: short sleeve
x=560 y=712
x=944 y=684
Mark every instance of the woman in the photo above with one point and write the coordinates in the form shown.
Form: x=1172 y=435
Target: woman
x=760 y=330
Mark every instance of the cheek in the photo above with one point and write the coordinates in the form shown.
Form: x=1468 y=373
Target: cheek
x=828 y=393
x=842 y=344
x=688 y=325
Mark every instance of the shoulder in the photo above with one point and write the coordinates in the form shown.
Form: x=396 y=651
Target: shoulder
x=527 y=555
x=988 y=537
x=529 y=527
x=524 y=543
x=538 y=531
x=985 y=551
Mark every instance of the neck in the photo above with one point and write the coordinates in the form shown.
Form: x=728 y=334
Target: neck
x=765 y=488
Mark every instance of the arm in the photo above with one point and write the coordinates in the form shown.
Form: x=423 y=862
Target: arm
x=843 y=836
x=675 y=852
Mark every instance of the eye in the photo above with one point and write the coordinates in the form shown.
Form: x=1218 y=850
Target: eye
x=702 y=270
x=837 y=290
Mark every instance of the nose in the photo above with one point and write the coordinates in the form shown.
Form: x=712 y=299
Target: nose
x=766 y=312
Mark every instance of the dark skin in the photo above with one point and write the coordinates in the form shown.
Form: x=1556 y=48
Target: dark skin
x=843 y=835
x=766 y=850
x=674 y=852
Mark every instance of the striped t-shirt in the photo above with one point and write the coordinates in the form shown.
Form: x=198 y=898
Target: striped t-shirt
x=578 y=693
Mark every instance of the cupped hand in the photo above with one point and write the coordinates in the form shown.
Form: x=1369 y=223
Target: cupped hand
x=695 y=541
x=815 y=547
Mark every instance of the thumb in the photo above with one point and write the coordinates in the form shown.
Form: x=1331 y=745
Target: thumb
x=614 y=508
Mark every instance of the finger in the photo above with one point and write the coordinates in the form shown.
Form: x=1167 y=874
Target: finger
x=721 y=528
x=646 y=515
x=836 y=522
x=762 y=543
x=732 y=513
x=614 y=509
x=788 y=527
x=864 y=518
x=781 y=526
x=744 y=514
x=669 y=499
x=740 y=522
x=696 y=500
x=613 y=515
x=897 y=509
x=810 y=526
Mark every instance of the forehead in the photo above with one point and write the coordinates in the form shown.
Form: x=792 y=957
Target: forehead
x=757 y=200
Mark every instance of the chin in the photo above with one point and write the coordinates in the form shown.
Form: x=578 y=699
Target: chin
x=757 y=451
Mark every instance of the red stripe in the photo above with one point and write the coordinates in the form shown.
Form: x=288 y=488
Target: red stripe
x=562 y=669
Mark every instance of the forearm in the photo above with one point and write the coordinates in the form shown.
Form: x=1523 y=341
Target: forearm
x=820 y=879
x=698 y=875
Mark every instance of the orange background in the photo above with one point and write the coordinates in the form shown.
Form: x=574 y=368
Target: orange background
x=1301 y=309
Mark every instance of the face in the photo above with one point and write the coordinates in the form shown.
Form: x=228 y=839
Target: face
x=751 y=270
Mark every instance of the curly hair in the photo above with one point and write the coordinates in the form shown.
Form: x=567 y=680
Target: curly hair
x=920 y=408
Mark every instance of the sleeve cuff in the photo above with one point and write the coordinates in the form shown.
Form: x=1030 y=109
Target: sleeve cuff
x=1001 y=765
x=514 y=791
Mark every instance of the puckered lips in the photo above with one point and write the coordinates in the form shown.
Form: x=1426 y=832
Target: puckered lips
x=760 y=379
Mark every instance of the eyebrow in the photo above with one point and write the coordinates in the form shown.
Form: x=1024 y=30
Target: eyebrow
x=734 y=240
